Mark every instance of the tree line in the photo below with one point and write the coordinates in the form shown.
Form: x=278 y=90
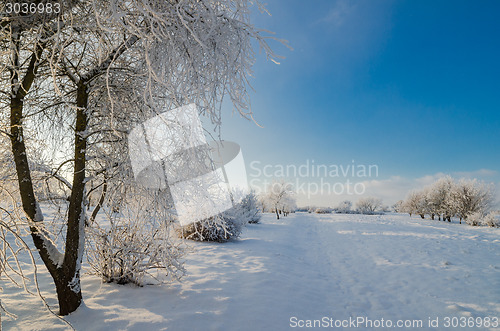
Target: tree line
x=469 y=200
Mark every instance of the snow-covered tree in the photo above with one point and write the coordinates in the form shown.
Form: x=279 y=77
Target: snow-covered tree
x=470 y=196
x=448 y=198
x=84 y=76
x=279 y=198
x=368 y=205
x=344 y=207
x=288 y=204
x=438 y=196
x=398 y=207
x=417 y=203
x=410 y=203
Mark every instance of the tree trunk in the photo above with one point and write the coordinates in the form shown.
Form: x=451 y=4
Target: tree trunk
x=69 y=296
x=75 y=236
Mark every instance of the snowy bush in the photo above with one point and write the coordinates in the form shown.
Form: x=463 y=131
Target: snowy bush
x=479 y=218
x=475 y=219
x=219 y=228
x=491 y=220
x=323 y=210
x=134 y=245
x=250 y=208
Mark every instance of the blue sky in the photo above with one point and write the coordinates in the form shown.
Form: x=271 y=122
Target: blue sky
x=411 y=86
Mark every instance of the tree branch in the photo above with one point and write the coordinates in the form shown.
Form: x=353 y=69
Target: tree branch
x=111 y=58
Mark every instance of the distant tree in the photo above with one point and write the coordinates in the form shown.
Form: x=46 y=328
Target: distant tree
x=448 y=198
x=344 y=207
x=416 y=203
x=279 y=198
x=369 y=205
x=410 y=204
x=438 y=196
x=398 y=207
x=470 y=196
x=289 y=204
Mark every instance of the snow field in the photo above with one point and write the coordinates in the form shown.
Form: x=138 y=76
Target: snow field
x=306 y=266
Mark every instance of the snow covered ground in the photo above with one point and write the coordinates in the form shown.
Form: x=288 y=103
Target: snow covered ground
x=284 y=272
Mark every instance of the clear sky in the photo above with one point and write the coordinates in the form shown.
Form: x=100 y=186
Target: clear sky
x=412 y=87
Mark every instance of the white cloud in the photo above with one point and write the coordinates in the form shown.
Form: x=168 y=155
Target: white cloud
x=481 y=173
x=397 y=188
x=339 y=13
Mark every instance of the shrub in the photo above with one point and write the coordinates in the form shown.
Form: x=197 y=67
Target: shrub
x=474 y=219
x=134 y=245
x=250 y=208
x=323 y=211
x=477 y=219
x=491 y=220
x=225 y=226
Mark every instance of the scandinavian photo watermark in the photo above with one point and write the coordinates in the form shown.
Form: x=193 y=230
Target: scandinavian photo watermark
x=310 y=178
